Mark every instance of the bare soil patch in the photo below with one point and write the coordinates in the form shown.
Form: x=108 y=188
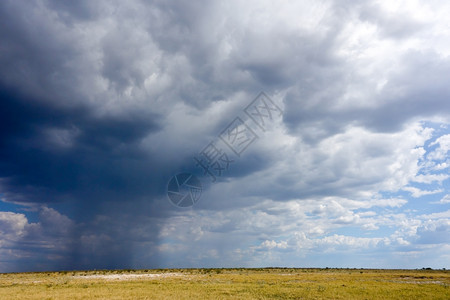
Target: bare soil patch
x=128 y=276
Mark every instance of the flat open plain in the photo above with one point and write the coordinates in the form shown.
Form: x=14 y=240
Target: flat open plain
x=266 y=283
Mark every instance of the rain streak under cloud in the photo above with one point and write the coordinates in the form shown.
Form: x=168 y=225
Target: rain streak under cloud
x=103 y=102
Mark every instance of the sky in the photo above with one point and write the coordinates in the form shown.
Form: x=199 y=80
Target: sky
x=104 y=103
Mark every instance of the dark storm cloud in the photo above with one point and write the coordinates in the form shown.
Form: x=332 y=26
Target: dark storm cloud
x=70 y=11
x=416 y=89
x=101 y=151
x=61 y=144
x=34 y=52
x=102 y=163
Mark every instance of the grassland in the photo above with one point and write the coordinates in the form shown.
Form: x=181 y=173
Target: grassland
x=267 y=283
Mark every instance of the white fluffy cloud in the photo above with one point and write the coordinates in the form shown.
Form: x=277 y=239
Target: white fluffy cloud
x=444 y=200
x=443 y=147
x=12 y=225
x=23 y=242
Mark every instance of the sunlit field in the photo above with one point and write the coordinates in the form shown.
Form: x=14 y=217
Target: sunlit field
x=267 y=283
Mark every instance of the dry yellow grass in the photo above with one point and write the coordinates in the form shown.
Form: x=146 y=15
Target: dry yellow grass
x=229 y=284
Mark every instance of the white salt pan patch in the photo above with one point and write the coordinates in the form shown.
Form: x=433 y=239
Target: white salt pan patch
x=128 y=276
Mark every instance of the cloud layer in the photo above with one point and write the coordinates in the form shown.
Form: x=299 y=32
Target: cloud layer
x=103 y=102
